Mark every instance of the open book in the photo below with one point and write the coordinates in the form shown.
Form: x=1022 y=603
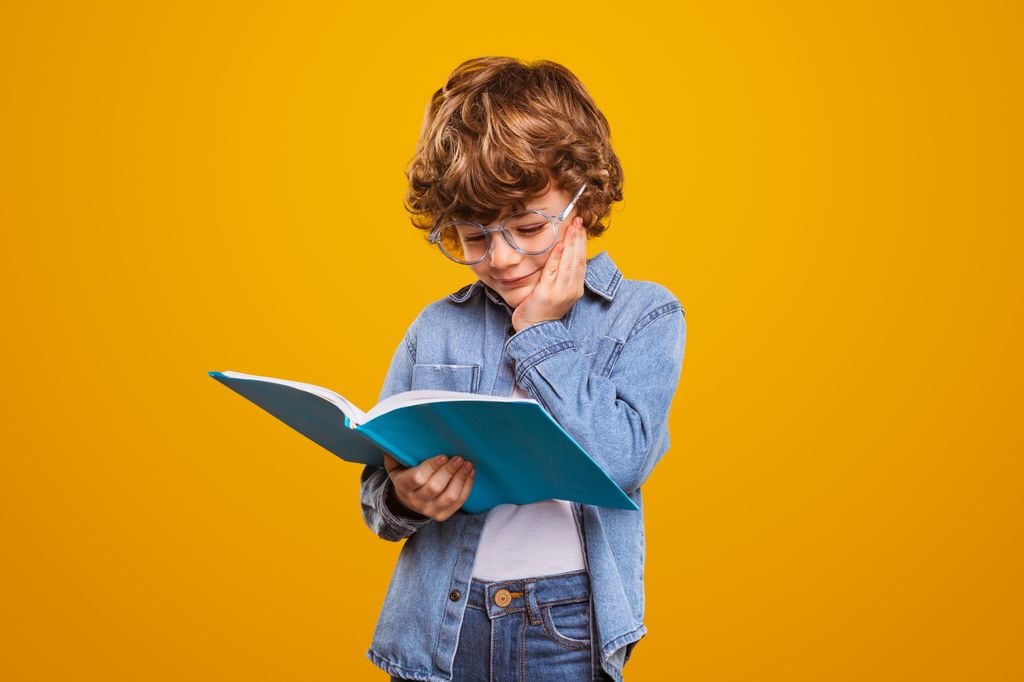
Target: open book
x=520 y=453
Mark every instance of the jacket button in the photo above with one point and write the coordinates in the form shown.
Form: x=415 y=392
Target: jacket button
x=503 y=598
x=455 y=595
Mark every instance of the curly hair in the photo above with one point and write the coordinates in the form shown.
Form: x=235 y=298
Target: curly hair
x=502 y=130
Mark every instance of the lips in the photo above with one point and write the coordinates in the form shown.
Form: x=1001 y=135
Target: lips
x=517 y=279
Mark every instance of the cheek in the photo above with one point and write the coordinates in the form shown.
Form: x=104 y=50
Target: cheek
x=541 y=260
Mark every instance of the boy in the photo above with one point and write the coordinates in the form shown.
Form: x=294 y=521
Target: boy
x=513 y=171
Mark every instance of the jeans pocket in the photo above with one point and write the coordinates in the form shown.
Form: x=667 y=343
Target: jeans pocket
x=567 y=624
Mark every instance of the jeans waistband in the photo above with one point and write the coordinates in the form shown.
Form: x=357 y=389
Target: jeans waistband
x=526 y=594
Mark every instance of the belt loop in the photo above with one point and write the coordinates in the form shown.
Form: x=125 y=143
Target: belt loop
x=532 y=608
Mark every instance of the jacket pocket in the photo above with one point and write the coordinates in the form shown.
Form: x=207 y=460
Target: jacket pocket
x=463 y=378
x=602 y=355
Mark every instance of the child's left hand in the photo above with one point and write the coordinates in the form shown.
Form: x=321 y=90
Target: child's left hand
x=561 y=281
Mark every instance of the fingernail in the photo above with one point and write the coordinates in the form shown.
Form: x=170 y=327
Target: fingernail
x=442 y=459
x=456 y=460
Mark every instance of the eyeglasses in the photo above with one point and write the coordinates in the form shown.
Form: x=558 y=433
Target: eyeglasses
x=529 y=232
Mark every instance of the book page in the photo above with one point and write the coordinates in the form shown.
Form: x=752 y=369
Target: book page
x=417 y=397
x=354 y=414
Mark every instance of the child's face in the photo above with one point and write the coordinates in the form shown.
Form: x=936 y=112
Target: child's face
x=513 y=274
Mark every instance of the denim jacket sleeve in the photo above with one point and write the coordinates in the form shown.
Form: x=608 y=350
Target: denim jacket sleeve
x=375 y=486
x=620 y=419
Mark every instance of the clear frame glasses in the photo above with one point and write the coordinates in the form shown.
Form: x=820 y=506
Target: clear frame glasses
x=530 y=232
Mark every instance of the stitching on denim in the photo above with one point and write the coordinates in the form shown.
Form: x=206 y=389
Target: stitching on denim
x=614 y=284
x=652 y=316
x=522 y=649
x=606 y=292
x=595 y=663
x=410 y=348
x=453 y=370
x=490 y=656
x=558 y=638
x=533 y=392
x=447 y=604
x=612 y=357
x=528 y=332
x=392 y=668
x=395 y=527
x=567 y=600
x=516 y=581
x=543 y=355
x=614 y=644
x=463 y=294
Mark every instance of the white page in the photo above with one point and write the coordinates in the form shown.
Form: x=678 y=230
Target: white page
x=354 y=414
x=425 y=396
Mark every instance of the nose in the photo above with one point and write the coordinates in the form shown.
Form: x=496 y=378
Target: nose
x=502 y=255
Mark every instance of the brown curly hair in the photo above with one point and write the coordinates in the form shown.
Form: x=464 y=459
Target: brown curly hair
x=499 y=132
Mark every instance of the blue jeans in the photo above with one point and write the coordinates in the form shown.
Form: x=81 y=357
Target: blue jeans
x=533 y=629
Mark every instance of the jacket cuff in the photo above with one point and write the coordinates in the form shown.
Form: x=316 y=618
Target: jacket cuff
x=403 y=525
x=537 y=343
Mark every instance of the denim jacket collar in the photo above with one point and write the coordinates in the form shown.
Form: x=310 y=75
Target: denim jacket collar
x=602 y=278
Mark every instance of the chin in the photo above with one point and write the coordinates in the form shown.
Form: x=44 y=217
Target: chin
x=513 y=301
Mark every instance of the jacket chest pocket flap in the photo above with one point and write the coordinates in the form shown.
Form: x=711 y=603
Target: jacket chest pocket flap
x=602 y=354
x=463 y=378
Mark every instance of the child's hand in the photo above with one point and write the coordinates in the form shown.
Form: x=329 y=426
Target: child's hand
x=436 y=488
x=561 y=281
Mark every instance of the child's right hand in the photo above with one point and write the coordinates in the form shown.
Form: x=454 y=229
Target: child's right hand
x=436 y=488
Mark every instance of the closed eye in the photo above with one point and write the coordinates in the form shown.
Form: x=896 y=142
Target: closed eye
x=530 y=230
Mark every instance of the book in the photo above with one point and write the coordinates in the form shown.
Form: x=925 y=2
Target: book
x=519 y=451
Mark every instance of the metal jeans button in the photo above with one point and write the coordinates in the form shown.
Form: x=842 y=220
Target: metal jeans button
x=503 y=598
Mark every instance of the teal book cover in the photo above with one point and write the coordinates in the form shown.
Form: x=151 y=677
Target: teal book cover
x=520 y=453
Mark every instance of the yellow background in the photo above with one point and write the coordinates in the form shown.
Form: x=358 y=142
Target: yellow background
x=832 y=190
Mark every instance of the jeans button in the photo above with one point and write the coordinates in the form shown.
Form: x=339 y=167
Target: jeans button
x=455 y=595
x=503 y=598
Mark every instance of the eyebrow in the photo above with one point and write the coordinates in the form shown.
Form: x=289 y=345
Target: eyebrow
x=544 y=208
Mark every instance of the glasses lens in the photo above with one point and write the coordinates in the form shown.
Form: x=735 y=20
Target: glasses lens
x=531 y=231
x=463 y=242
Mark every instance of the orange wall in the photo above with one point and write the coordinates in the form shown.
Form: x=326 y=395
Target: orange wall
x=833 y=192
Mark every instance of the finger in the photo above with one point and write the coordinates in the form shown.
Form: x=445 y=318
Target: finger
x=580 y=258
x=457 y=492
x=467 y=486
x=438 y=480
x=581 y=263
x=554 y=260
x=420 y=474
x=569 y=267
x=542 y=288
x=582 y=241
x=391 y=464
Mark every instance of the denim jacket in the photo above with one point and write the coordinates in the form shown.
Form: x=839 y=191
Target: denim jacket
x=606 y=372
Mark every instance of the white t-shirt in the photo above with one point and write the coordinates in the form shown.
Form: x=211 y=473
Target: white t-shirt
x=528 y=540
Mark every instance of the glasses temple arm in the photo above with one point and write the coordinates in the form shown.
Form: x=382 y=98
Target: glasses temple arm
x=568 y=209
